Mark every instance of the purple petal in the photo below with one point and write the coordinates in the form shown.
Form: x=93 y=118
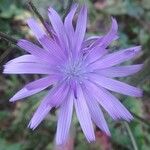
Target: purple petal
x=35 y=27
x=58 y=28
x=43 y=82
x=95 y=54
x=110 y=103
x=52 y=47
x=89 y=41
x=80 y=29
x=35 y=50
x=68 y=24
x=24 y=59
x=54 y=98
x=119 y=71
x=116 y=86
x=39 y=115
x=58 y=95
x=33 y=88
x=64 y=120
x=109 y=37
x=116 y=58
x=27 y=68
x=95 y=111
x=84 y=116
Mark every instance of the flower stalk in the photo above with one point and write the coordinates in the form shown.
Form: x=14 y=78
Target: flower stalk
x=34 y=9
x=135 y=147
x=8 y=38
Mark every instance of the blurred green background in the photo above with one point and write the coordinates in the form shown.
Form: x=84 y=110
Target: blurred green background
x=133 y=17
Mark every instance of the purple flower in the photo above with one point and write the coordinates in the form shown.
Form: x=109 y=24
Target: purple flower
x=80 y=70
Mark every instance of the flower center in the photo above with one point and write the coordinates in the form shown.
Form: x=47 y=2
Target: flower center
x=72 y=71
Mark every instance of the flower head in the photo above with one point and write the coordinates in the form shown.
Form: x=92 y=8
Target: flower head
x=81 y=71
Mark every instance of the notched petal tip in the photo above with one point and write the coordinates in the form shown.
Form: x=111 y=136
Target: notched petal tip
x=50 y=10
x=15 y=98
x=114 y=24
x=133 y=50
x=31 y=126
x=12 y=100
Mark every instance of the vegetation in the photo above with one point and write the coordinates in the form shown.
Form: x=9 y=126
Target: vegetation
x=133 y=17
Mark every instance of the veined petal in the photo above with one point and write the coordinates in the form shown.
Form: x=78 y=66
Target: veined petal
x=34 y=87
x=95 y=54
x=24 y=59
x=84 y=116
x=110 y=103
x=119 y=71
x=35 y=27
x=64 y=120
x=58 y=28
x=27 y=68
x=89 y=41
x=69 y=26
x=35 y=50
x=80 y=29
x=53 y=48
x=109 y=37
x=116 y=86
x=43 y=82
x=95 y=111
x=39 y=115
x=58 y=95
x=116 y=58
x=53 y=99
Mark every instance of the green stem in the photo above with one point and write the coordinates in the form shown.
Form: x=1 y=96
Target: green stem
x=8 y=38
x=34 y=9
x=134 y=144
x=68 y=8
x=4 y=55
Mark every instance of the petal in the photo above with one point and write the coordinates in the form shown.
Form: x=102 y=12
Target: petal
x=95 y=54
x=35 y=50
x=24 y=59
x=95 y=111
x=54 y=98
x=119 y=71
x=58 y=95
x=80 y=29
x=40 y=34
x=84 y=116
x=58 y=28
x=64 y=120
x=109 y=37
x=39 y=115
x=34 y=87
x=116 y=86
x=43 y=82
x=35 y=27
x=89 y=41
x=110 y=103
x=116 y=58
x=52 y=47
x=27 y=68
x=68 y=23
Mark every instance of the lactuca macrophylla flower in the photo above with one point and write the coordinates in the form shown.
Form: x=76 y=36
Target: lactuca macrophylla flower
x=81 y=70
